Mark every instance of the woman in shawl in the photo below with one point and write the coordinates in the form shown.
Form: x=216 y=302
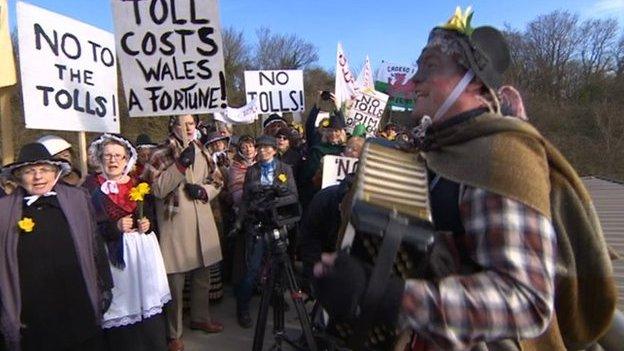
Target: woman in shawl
x=54 y=278
x=135 y=320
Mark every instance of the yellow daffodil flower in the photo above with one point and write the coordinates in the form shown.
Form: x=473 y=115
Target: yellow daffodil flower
x=325 y=123
x=143 y=188
x=26 y=224
x=460 y=21
x=282 y=178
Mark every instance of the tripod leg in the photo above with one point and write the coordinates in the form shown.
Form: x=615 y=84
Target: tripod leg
x=267 y=295
x=297 y=298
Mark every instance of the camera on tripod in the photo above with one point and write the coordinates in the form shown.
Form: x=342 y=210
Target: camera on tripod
x=273 y=207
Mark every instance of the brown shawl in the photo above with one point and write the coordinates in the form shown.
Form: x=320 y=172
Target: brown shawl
x=509 y=157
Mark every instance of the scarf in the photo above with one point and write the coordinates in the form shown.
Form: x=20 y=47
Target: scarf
x=267 y=172
x=508 y=156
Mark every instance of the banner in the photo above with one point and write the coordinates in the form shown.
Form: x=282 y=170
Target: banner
x=7 y=63
x=241 y=115
x=367 y=109
x=394 y=80
x=68 y=72
x=336 y=168
x=345 y=88
x=365 y=78
x=275 y=91
x=171 y=56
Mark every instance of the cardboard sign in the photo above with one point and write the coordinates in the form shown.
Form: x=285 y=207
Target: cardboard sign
x=275 y=91
x=7 y=64
x=171 y=56
x=367 y=109
x=336 y=168
x=68 y=72
x=393 y=80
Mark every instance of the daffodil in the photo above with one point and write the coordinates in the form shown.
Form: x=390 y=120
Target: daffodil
x=282 y=177
x=26 y=224
x=325 y=123
x=143 y=188
x=460 y=21
x=138 y=193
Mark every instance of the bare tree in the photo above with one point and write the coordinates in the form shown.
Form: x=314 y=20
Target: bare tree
x=552 y=42
x=618 y=57
x=598 y=40
x=237 y=59
x=281 y=51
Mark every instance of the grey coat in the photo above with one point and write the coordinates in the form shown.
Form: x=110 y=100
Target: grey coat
x=76 y=205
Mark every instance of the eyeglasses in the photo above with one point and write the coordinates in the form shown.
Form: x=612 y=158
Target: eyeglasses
x=110 y=157
x=32 y=171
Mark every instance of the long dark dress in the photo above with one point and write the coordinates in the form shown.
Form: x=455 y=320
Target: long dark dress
x=56 y=309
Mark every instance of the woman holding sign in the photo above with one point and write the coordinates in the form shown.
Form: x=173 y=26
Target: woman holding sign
x=134 y=322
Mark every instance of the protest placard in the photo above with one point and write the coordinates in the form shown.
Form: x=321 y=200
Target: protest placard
x=336 y=168
x=171 y=56
x=367 y=109
x=276 y=91
x=68 y=72
x=393 y=80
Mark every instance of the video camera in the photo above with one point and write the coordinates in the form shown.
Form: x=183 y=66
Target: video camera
x=274 y=207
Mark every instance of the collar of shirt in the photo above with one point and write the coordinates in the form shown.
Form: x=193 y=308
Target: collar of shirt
x=32 y=198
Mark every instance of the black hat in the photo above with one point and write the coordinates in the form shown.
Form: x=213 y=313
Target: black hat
x=32 y=154
x=272 y=119
x=212 y=137
x=144 y=141
x=336 y=121
x=484 y=49
x=266 y=140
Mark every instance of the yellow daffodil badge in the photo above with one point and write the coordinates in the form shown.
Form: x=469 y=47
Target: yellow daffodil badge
x=282 y=177
x=325 y=123
x=460 y=21
x=138 y=194
x=26 y=224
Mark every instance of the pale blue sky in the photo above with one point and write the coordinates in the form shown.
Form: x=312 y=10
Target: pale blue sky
x=394 y=31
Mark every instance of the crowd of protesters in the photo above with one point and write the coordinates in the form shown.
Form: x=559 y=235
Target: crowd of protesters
x=127 y=266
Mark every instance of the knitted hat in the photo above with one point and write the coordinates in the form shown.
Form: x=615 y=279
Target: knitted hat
x=359 y=130
x=274 y=118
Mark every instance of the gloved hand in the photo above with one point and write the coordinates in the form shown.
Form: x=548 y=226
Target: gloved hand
x=196 y=192
x=187 y=156
x=340 y=289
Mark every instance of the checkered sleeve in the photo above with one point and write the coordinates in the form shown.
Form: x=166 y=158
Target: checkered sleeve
x=512 y=296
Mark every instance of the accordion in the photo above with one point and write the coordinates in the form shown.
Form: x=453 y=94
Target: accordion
x=390 y=227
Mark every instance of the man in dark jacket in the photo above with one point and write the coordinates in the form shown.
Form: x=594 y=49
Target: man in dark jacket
x=267 y=173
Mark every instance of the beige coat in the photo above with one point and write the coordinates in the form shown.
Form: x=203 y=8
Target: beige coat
x=188 y=238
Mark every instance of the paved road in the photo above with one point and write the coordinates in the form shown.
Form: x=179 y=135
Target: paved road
x=233 y=337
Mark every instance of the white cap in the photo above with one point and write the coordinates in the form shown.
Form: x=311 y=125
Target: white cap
x=54 y=144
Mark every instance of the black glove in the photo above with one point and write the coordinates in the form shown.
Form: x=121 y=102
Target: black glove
x=196 y=192
x=340 y=291
x=187 y=156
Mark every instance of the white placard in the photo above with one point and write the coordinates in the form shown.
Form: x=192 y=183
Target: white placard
x=171 y=56
x=276 y=91
x=336 y=168
x=68 y=72
x=367 y=109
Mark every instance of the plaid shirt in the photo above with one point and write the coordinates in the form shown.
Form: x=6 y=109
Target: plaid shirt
x=511 y=297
